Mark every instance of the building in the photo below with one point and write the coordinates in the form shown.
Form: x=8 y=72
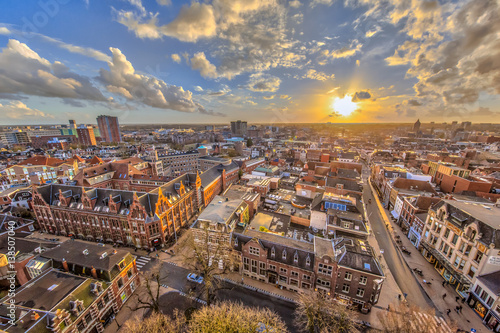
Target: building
x=109 y=128
x=413 y=215
x=180 y=163
x=14 y=138
x=485 y=299
x=345 y=269
x=72 y=123
x=86 y=135
x=85 y=289
x=416 y=126
x=239 y=128
x=40 y=169
x=462 y=240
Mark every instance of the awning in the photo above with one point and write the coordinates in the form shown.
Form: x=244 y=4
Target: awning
x=447 y=265
x=395 y=214
x=272 y=202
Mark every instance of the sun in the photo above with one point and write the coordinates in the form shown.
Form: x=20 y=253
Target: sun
x=344 y=106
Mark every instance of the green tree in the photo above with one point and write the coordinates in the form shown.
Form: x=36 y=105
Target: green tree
x=249 y=142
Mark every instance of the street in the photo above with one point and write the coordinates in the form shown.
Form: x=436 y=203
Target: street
x=175 y=277
x=402 y=274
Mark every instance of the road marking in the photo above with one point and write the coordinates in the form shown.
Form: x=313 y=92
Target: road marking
x=140 y=262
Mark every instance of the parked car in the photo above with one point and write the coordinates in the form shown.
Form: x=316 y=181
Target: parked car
x=195 y=278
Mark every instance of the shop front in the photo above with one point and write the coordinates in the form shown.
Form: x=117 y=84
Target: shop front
x=414 y=237
x=477 y=305
x=492 y=321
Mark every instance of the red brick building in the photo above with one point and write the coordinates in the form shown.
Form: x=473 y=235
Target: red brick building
x=456 y=184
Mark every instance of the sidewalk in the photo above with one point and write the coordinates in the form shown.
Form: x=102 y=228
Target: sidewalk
x=468 y=318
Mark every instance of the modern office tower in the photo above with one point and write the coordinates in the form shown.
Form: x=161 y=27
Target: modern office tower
x=109 y=128
x=72 y=124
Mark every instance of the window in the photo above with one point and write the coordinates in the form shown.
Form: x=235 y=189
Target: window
x=468 y=249
x=272 y=267
x=294 y=282
x=262 y=268
x=484 y=295
x=295 y=274
x=345 y=288
x=454 y=239
x=479 y=256
x=246 y=263
x=129 y=273
x=255 y=251
x=296 y=258
x=306 y=277
x=348 y=276
x=478 y=290
x=363 y=280
x=325 y=269
x=273 y=252
x=284 y=255
x=120 y=283
x=446 y=233
x=323 y=283
x=308 y=261
x=254 y=266
x=283 y=270
x=80 y=326
x=490 y=301
x=360 y=292
x=283 y=279
x=306 y=285
x=88 y=318
x=462 y=247
x=472 y=271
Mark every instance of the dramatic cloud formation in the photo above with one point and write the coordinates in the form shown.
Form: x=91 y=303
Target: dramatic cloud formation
x=23 y=71
x=315 y=75
x=19 y=110
x=122 y=79
x=264 y=82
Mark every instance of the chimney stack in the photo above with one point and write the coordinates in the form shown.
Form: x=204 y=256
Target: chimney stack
x=94 y=272
x=65 y=265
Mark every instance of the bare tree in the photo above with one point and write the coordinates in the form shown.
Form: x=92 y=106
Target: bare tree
x=209 y=257
x=411 y=319
x=157 y=323
x=235 y=317
x=317 y=312
x=220 y=317
x=148 y=294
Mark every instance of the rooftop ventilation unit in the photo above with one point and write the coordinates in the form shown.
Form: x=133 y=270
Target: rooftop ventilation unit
x=86 y=252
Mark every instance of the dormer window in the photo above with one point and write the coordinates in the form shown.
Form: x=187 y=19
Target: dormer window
x=284 y=255
x=296 y=258
x=273 y=252
x=235 y=241
x=308 y=261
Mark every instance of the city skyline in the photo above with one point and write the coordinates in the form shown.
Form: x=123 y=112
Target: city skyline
x=259 y=61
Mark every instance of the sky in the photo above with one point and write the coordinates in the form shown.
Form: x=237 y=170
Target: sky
x=263 y=61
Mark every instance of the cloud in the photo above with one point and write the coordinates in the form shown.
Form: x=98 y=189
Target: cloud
x=19 y=110
x=86 y=51
x=414 y=102
x=373 y=32
x=4 y=31
x=176 y=58
x=198 y=88
x=295 y=3
x=263 y=82
x=25 y=72
x=194 y=22
x=269 y=97
x=164 y=2
x=123 y=80
x=361 y=95
x=321 y=2
x=315 y=75
x=344 y=52
x=199 y=62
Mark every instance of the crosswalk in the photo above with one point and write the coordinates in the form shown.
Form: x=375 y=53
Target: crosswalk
x=142 y=261
x=430 y=323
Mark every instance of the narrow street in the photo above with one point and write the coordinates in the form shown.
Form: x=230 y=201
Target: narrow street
x=402 y=274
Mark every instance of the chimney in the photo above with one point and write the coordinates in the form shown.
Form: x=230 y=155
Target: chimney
x=65 y=265
x=94 y=272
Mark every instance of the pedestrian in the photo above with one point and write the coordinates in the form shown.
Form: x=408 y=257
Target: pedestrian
x=444 y=295
x=460 y=308
x=448 y=312
x=444 y=282
x=457 y=298
x=457 y=308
